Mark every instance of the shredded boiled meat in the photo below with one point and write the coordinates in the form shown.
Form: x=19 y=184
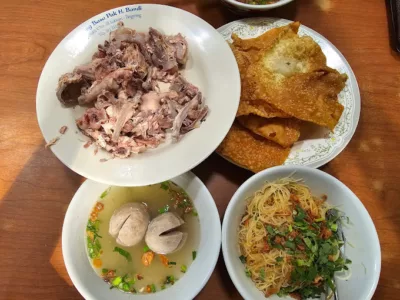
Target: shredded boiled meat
x=134 y=91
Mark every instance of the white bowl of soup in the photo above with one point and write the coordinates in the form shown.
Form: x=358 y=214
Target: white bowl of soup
x=291 y=232
x=160 y=240
x=254 y=5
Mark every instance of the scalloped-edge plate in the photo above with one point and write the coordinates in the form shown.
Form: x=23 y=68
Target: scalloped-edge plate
x=320 y=145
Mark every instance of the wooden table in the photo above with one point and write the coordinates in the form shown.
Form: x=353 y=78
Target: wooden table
x=35 y=187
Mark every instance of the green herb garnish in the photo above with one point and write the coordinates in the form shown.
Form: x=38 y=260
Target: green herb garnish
x=105 y=193
x=270 y=230
x=164 y=209
x=301 y=214
x=242 y=259
x=116 y=281
x=290 y=245
x=262 y=274
x=124 y=253
x=248 y=274
x=183 y=268
x=92 y=240
x=169 y=280
x=194 y=254
x=146 y=249
x=153 y=288
x=172 y=263
x=165 y=185
x=315 y=251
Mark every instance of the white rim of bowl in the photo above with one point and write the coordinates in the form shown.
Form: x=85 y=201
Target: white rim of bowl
x=235 y=198
x=83 y=291
x=258 y=6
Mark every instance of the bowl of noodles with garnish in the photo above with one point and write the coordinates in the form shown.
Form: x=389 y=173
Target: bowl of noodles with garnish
x=299 y=233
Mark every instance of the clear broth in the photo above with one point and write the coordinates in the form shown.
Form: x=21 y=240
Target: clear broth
x=155 y=197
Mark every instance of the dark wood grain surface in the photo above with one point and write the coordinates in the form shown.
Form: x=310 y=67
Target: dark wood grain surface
x=35 y=187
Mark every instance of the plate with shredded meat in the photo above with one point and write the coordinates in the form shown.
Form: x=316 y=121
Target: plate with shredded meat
x=149 y=98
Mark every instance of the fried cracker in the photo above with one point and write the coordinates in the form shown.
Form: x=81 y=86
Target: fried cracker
x=259 y=108
x=284 y=132
x=266 y=40
x=250 y=150
x=246 y=107
x=290 y=73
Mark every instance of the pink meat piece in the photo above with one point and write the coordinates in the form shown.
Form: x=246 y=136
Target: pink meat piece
x=151 y=100
x=181 y=48
x=70 y=87
x=163 y=52
x=125 y=113
x=122 y=33
x=133 y=58
x=180 y=84
x=109 y=83
x=181 y=116
x=192 y=124
x=137 y=92
x=63 y=129
x=97 y=69
x=93 y=119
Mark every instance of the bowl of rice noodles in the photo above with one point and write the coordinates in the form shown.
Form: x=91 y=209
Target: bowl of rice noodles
x=294 y=232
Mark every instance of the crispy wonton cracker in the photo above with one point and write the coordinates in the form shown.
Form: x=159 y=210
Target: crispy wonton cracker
x=251 y=151
x=284 y=132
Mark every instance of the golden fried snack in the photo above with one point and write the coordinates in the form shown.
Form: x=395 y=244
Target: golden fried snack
x=284 y=132
x=250 y=150
x=246 y=107
x=259 y=108
x=266 y=40
x=310 y=97
x=290 y=73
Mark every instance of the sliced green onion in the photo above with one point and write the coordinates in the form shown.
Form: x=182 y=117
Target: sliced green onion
x=183 y=268
x=194 y=254
x=172 y=263
x=164 y=209
x=290 y=245
x=165 y=185
x=153 y=288
x=146 y=248
x=116 y=281
x=248 y=274
x=170 y=279
x=242 y=259
x=105 y=193
x=124 y=253
x=262 y=274
x=270 y=230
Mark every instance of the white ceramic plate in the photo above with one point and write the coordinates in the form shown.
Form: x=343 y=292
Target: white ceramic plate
x=319 y=145
x=365 y=251
x=211 y=66
x=235 y=5
x=92 y=287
